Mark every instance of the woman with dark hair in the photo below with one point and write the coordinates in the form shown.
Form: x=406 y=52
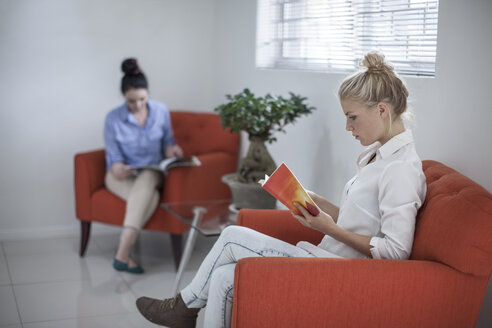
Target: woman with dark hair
x=136 y=134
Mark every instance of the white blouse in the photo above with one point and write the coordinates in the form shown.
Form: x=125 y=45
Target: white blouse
x=380 y=201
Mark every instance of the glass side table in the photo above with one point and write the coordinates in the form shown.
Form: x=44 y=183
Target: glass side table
x=207 y=217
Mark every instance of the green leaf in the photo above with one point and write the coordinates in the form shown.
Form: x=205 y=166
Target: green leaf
x=261 y=116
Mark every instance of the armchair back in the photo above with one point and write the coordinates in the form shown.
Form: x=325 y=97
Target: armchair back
x=454 y=223
x=202 y=133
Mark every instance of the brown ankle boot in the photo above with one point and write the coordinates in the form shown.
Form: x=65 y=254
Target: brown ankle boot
x=171 y=312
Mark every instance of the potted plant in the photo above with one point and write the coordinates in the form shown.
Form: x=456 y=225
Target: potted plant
x=260 y=118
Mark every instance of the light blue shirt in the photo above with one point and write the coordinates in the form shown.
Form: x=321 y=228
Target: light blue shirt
x=135 y=145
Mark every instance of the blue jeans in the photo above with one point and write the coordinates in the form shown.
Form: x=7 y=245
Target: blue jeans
x=214 y=281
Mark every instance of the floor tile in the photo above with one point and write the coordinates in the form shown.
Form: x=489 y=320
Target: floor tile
x=154 y=248
x=69 y=245
x=485 y=317
x=8 y=309
x=53 y=287
x=52 y=267
x=154 y=245
x=125 y=320
x=106 y=242
x=157 y=282
x=151 y=248
x=4 y=272
x=70 y=300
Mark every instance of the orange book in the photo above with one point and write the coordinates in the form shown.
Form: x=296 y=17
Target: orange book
x=284 y=186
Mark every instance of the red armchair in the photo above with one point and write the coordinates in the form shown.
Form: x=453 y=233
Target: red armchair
x=198 y=134
x=442 y=285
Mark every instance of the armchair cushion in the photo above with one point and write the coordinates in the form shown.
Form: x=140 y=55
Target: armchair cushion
x=320 y=292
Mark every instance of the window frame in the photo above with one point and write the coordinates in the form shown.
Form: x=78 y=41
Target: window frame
x=414 y=56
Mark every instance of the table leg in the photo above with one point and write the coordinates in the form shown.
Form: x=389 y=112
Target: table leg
x=190 y=243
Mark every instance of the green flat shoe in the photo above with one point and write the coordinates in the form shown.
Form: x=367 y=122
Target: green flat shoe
x=121 y=266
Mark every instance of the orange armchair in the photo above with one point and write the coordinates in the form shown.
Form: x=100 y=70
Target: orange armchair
x=199 y=134
x=442 y=285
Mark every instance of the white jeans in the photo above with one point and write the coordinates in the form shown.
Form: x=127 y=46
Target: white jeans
x=213 y=283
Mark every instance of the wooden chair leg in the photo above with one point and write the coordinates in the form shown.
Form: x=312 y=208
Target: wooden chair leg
x=177 y=246
x=85 y=232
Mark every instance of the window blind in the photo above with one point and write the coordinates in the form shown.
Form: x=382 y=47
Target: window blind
x=334 y=35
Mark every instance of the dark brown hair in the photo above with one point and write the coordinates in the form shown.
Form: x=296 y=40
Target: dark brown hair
x=134 y=78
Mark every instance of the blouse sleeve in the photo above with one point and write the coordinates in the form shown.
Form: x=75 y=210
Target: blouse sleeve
x=401 y=193
x=168 y=136
x=112 y=150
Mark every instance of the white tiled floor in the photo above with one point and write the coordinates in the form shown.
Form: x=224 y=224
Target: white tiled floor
x=44 y=283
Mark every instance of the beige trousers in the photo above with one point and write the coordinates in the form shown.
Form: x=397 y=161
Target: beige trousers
x=141 y=194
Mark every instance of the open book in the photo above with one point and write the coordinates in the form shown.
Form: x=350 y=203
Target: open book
x=284 y=186
x=168 y=163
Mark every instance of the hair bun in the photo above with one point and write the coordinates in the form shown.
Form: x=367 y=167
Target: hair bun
x=130 y=67
x=375 y=63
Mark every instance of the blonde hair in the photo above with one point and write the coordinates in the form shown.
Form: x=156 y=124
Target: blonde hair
x=378 y=82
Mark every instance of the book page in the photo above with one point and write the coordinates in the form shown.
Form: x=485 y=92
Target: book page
x=168 y=163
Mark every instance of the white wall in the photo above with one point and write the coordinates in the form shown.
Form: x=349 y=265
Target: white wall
x=59 y=76
x=59 y=64
x=453 y=110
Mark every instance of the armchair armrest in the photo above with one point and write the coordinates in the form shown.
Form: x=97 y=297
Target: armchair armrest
x=89 y=171
x=279 y=224
x=317 y=292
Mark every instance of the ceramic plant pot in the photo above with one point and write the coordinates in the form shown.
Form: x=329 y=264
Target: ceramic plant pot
x=248 y=195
